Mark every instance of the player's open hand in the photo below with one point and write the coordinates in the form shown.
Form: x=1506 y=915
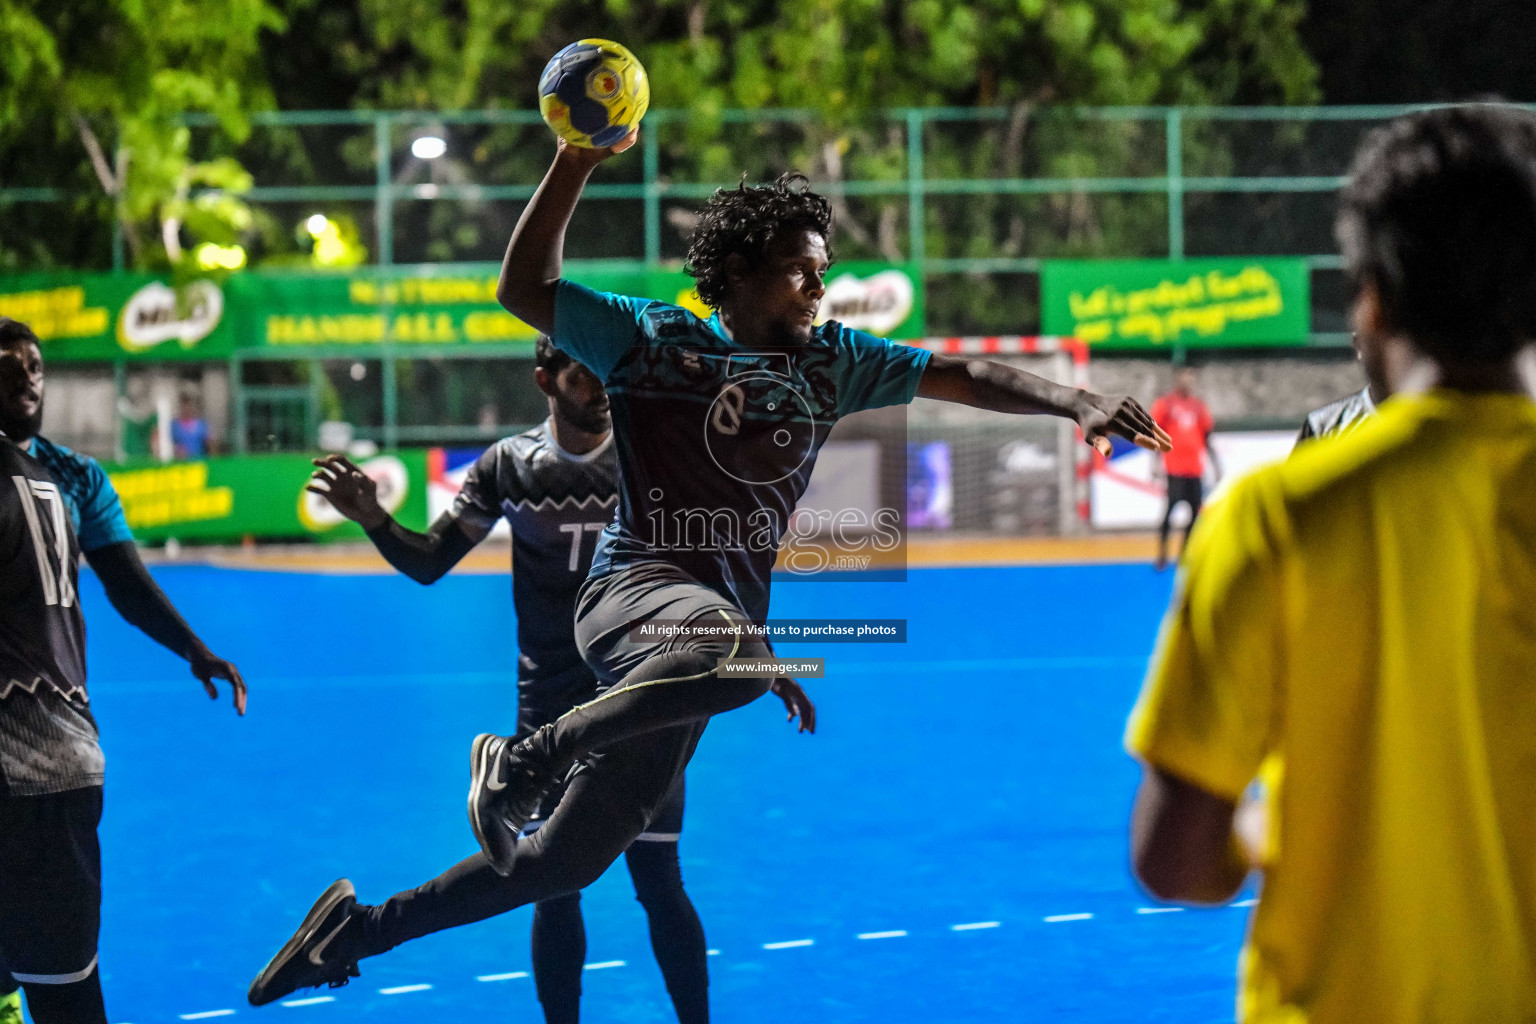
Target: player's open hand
x=587 y=157
x=207 y=667
x=350 y=491
x=1099 y=416
x=796 y=703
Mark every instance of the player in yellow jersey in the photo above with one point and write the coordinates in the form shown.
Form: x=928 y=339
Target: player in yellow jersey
x=1359 y=622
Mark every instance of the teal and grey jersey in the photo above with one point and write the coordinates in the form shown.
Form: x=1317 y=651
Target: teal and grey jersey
x=716 y=442
x=48 y=737
x=557 y=504
x=94 y=508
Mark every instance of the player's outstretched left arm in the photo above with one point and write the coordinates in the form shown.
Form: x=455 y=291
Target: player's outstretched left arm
x=989 y=385
x=139 y=600
x=796 y=703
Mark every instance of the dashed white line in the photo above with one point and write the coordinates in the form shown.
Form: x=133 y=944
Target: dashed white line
x=971 y=926
x=712 y=952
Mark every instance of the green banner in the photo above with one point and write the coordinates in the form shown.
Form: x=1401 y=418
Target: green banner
x=115 y=316
x=1155 y=303
x=103 y=317
x=227 y=498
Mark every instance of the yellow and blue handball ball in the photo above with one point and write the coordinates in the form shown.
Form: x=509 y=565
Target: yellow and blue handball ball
x=593 y=92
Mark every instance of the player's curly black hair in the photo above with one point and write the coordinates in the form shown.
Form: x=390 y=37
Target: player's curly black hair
x=745 y=220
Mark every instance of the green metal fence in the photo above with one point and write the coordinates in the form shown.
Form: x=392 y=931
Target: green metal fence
x=935 y=187
x=1175 y=184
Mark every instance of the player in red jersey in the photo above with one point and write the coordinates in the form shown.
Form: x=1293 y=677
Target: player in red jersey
x=1189 y=423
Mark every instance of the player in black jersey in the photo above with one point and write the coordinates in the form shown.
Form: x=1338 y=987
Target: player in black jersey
x=557 y=486
x=717 y=423
x=51 y=764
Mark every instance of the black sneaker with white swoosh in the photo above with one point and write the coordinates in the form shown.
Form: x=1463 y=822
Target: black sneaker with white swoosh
x=507 y=780
x=316 y=954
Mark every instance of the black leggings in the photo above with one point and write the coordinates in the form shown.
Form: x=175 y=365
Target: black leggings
x=634 y=743
x=1191 y=491
x=677 y=939
x=607 y=803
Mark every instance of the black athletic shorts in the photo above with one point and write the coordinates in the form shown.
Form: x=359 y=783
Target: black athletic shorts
x=50 y=886
x=1187 y=489
x=546 y=697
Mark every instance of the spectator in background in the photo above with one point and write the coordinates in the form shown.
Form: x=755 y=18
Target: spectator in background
x=189 y=431
x=1189 y=423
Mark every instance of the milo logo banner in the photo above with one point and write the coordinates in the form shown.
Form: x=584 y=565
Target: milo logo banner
x=106 y=317
x=115 y=316
x=1157 y=303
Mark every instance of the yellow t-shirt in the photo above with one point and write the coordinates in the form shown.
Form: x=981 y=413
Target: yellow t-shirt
x=1363 y=618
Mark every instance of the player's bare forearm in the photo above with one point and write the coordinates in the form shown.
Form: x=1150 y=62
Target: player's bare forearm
x=139 y=599
x=988 y=385
x=141 y=602
x=1183 y=844
x=1000 y=388
x=531 y=267
x=532 y=263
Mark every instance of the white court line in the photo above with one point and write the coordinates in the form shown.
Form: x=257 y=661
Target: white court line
x=400 y=990
x=1246 y=903
x=1058 y=918
x=883 y=935
x=604 y=965
x=975 y=926
x=311 y=1001
x=502 y=977
x=207 y=1013
x=1159 y=910
x=792 y=944
x=712 y=952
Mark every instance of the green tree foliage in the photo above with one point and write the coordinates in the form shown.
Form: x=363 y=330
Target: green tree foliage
x=834 y=55
x=91 y=96
x=848 y=60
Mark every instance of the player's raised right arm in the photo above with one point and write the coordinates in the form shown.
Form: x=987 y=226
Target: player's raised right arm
x=532 y=264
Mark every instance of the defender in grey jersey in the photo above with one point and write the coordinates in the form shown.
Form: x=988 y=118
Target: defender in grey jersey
x=557 y=486
x=1338 y=417
x=1342 y=416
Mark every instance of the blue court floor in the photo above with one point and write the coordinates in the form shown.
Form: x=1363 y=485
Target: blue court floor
x=950 y=846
